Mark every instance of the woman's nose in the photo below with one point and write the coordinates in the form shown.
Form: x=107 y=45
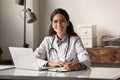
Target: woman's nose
x=59 y=23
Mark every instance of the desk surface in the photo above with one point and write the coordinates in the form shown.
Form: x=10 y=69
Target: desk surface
x=95 y=73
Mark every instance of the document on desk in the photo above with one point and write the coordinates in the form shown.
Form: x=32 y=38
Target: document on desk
x=52 y=69
x=58 y=69
x=3 y=67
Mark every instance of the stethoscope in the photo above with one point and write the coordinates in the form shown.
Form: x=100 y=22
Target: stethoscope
x=53 y=50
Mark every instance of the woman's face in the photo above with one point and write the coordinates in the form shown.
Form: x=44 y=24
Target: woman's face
x=59 y=24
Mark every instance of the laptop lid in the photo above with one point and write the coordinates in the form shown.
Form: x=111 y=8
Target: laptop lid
x=23 y=58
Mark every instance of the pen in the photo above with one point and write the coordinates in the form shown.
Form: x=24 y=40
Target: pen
x=71 y=60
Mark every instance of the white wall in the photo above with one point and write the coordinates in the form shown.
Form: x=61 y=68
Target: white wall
x=103 y=13
x=37 y=29
x=11 y=30
x=0 y=25
x=11 y=26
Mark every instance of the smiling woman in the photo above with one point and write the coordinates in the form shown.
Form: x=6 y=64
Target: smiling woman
x=62 y=47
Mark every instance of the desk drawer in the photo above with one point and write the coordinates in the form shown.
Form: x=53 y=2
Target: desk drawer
x=85 y=31
x=87 y=42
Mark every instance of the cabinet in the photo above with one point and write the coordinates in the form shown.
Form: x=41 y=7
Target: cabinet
x=88 y=35
x=104 y=55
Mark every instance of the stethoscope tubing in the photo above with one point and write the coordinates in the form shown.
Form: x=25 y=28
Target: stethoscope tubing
x=56 y=50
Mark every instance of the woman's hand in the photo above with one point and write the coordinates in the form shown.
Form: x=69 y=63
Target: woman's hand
x=56 y=64
x=72 y=65
x=67 y=66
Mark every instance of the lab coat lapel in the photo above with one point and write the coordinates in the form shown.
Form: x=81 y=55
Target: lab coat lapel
x=55 y=45
x=61 y=51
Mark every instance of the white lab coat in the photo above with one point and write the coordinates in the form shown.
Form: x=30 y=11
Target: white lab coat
x=76 y=51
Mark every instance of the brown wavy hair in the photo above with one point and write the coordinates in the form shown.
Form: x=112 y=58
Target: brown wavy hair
x=70 y=30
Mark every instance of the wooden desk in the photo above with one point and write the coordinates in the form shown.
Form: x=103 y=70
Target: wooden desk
x=104 y=55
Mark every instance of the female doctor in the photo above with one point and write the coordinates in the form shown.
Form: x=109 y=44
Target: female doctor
x=62 y=47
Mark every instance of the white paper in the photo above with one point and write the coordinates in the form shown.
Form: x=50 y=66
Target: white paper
x=59 y=69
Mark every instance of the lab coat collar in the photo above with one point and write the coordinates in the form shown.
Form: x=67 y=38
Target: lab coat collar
x=65 y=39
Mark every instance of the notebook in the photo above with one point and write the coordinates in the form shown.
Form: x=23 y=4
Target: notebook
x=24 y=58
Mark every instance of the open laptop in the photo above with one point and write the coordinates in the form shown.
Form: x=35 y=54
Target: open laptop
x=24 y=58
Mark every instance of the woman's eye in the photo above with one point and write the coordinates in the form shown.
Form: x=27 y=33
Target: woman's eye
x=55 y=21
x=62 y=21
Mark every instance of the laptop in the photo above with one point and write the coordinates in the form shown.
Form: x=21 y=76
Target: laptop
x=24 y=58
